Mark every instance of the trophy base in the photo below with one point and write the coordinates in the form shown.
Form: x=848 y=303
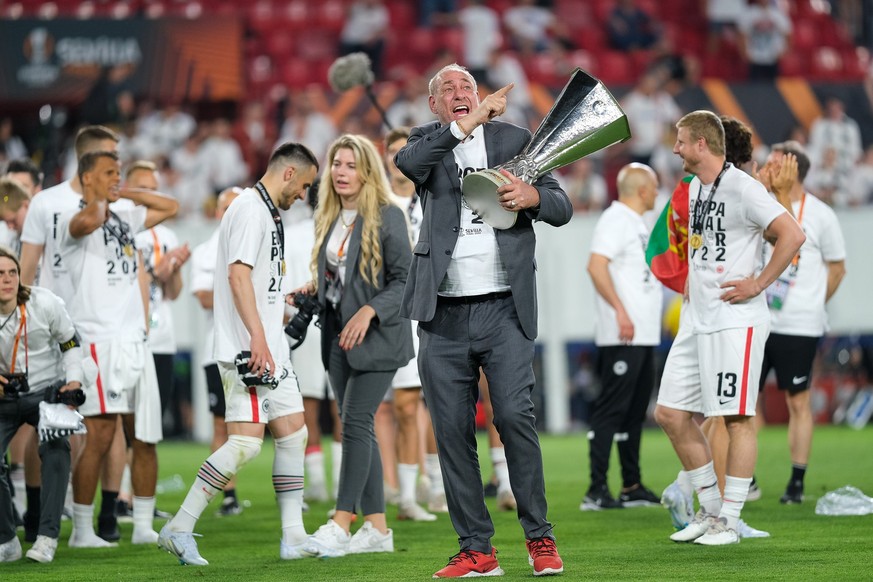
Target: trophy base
x=480 y=191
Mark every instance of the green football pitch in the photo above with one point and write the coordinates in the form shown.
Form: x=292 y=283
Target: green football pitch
x=626 y=544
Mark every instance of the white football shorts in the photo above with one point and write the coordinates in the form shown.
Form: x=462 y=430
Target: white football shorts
x=259 y=404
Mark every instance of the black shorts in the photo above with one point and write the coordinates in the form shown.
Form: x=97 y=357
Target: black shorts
x=792 y=357
x=215 y=389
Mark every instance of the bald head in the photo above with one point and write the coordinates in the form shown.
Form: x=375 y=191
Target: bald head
x=224 y=199
x=638 y=186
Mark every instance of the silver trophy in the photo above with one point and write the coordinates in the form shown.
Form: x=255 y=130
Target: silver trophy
x=585 y=118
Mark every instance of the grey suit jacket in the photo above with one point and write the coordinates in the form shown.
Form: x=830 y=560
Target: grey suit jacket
x=428 y=161
x=388 y=343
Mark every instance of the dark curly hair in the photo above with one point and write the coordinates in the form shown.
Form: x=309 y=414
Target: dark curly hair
x=737 y=141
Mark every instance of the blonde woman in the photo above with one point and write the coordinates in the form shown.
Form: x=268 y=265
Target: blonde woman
x=359 y=263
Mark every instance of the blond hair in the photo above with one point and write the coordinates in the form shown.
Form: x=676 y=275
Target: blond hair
x=373 y=196
x=12 y=195
x=707 y=125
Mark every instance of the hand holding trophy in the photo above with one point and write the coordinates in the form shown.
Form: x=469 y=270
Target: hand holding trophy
x=584 y=119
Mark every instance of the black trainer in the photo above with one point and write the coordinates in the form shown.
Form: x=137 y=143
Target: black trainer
x=107 y=528
x=229 y=506
x=599 y=498
x=639 y=496
x=793 y=493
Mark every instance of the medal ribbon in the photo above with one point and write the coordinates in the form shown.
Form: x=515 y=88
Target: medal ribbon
x=277 y=220
x=701 y=210
x=796 y=258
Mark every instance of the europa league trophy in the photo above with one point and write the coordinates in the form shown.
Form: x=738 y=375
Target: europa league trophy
x=585 y=118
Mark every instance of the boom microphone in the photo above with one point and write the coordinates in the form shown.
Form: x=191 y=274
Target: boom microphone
x=351 y=71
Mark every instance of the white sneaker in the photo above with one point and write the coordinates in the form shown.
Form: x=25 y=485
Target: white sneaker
x=329 y=541
x=422 y=489
x=11 y=550
x=414 y=512
x=680 y=506
x=144 y=537
x=291 y=551
x=506 y=501
x=392 y=494
x=438 y=503
x=370 y=540
x=43 y=549
x=696 y=528
x=719 y=534
x=182 y=545
x=88 y=539
x=747 y=531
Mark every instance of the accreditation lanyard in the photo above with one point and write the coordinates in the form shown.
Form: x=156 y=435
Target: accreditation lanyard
x=22 y=328
x=277 y=220
x=701 y=210
x=341 y=252
x=413 y=202
x=156 y=254
x=796 y=259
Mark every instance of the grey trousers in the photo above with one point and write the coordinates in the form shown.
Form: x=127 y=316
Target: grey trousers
x=358 y=395
x=454 y=345
x=55 y=456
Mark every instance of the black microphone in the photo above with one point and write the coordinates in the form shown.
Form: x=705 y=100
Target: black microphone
x=351 y=71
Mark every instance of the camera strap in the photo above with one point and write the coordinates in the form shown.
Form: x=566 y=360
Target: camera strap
x=277 y=220
x=22 y=327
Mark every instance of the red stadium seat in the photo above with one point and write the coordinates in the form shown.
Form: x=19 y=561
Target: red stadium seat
x=615 y=67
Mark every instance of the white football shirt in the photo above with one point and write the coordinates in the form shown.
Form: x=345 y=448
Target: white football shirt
x=803 y=311
x=733 y=227
x=41 y=228
x=621 y=235
x=203 y=279
x=162 y=338
x=248 y=235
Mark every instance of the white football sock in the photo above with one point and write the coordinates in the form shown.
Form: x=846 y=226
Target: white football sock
x=83 y=519
x=705 y=483
x=407 y=476
x=288 y=484
x=143 y=513
x=501 y=469
x=432 y=466
x=684 y=482
x=736 y=489
x=314 y=464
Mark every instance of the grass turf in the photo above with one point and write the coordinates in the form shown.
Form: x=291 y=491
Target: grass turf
x=627 y=544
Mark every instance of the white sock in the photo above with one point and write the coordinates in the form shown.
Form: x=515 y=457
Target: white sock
x=336 y=460
x=314 y=463
x=213 y=476
x=683 y=479
x=736 y=489
x=83 y=519
x=288 y=484
x=407 y=476
x=125 y=488
x=501 y=469
x=706 y=484
x=432 y=466
x=143 y=513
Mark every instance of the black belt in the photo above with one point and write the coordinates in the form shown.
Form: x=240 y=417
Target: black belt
x=467 y=299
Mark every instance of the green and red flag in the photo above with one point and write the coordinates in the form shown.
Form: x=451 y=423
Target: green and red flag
x=667 y=251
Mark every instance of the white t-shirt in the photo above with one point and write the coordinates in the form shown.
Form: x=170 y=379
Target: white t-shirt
x=9 y=238
x=105 y=301
x=203 y=279
x=621 y=235
x=248 y=235
x=766 y=30
x=162 y=338
x=411 y=205
x=48 y=325
x=481 y=28
x=739 y=213
x=476 y=267
x=649 y=117
x=803 y=309
x=41 y=228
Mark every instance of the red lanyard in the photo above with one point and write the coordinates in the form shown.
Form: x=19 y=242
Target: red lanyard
x=157 y=252
x=796 y=258
x=21 y=327
x=349 y=229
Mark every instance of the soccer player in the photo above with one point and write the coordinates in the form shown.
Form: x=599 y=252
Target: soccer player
x=259 y=384
x=715 y=361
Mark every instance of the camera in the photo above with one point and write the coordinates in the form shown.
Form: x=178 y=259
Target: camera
x=75 y=397
x=16 y=383
x=307 y=307
x=249 y=379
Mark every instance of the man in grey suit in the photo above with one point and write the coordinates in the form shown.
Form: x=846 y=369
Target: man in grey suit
x=473 y=290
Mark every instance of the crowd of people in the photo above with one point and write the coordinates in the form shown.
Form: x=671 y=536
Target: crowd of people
x=392 y=240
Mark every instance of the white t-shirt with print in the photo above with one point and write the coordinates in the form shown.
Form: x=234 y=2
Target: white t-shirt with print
x=733 y=227
x=411 y=206
x=248 y=235
x=105 y=301
x=803 y=309
x=476 y=267
x=621 y=235
x=203 y=279
x=41 y=228
x=162 y=338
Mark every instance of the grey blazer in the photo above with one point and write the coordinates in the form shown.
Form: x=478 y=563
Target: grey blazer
x=428 y=161
x=388 y=343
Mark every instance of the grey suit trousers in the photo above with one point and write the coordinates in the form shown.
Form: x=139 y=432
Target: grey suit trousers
x=454 y=344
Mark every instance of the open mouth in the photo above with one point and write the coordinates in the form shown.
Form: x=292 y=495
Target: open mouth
x=461 y=110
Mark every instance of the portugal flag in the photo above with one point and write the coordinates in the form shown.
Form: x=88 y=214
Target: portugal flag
x=667 y=251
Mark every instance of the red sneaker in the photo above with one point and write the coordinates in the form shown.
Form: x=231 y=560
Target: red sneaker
x=470 y=563
x=543 y=556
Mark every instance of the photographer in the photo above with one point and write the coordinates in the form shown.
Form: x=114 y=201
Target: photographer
x=38 y=345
